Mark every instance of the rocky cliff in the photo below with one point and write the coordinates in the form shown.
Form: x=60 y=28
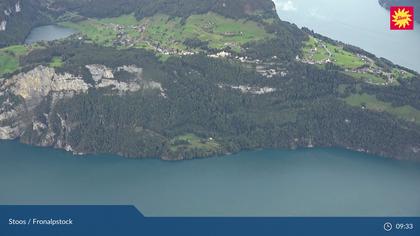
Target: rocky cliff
x=23 y=95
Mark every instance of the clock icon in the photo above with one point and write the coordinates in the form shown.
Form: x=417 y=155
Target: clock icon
x=387 y=227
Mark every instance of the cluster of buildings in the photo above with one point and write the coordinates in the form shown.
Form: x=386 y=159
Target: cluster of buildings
x=127 y=40
x=268 y=70
x=369 y=66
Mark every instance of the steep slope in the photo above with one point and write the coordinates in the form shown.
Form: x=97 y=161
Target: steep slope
x=17 y=18
x=183 y=79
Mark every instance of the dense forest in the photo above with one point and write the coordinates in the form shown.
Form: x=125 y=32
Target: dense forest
x=138 y=102
x=305 y=110
x=19 y=23
x=182 y=8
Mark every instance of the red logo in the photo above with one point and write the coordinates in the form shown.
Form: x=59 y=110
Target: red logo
x=402 y=18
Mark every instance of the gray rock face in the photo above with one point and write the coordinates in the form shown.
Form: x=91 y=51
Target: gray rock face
x=3 y=25
x=27 y=101
x=18 y=8
x=22 y=93
x=8 y=11
x=100 y=72
x=104 y=77
x=10 y=118
x=38 y=83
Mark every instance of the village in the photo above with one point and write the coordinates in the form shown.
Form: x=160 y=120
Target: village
x=318 y=52
x=128 y=36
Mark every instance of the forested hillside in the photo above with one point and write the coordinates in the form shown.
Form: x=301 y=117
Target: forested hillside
x=179 y=79
x=17 y=18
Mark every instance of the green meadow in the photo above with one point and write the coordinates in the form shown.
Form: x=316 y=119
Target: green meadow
x=319 y=51
x=192 y=141
x=9 y=58
x=370 y=102
x=170 y=33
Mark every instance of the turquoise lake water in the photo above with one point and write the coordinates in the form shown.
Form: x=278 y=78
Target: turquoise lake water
x=307 y=182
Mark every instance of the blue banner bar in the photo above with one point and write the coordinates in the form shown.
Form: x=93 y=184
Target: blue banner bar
x=127 y=220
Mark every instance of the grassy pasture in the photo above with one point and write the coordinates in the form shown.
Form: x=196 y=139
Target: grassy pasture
x=170 y=33
x=192 y=141
x=370 y=102
x=9 y=58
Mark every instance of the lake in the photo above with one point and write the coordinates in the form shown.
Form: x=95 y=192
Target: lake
x=48 y=33
x=306 y=182
x=362 y=23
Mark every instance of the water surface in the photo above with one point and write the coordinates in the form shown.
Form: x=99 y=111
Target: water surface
x=363 y=23
x=48 y=33
x=307 y=182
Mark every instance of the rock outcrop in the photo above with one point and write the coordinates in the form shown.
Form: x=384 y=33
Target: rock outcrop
x=22 y=95
x=24 y=92
x=39 y=82
x=104 y=77
x=18 y=8
x=9 y=10
x=3 y=25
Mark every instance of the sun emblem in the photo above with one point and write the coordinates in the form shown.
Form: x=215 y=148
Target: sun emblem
x=402 y=17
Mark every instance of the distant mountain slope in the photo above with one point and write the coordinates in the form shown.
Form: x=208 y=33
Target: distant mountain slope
x=179 y=79
x=415 y=3
x=15 y=25
x=181 y=8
